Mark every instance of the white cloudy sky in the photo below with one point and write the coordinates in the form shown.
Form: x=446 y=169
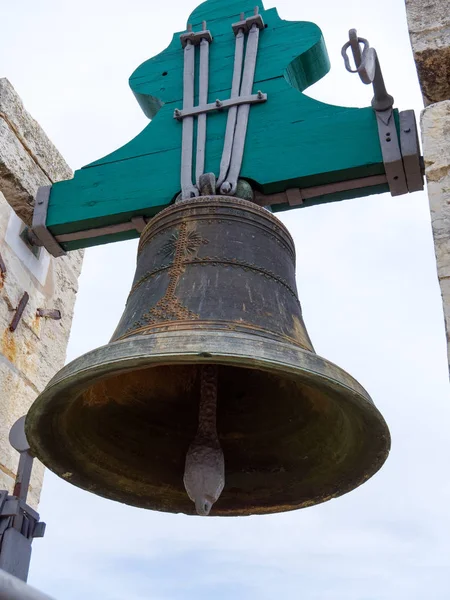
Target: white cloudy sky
x=367 y=281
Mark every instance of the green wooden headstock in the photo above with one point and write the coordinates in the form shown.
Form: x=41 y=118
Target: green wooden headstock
x=293 y=141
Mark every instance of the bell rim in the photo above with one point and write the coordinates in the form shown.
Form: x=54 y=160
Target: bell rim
x=208 y=351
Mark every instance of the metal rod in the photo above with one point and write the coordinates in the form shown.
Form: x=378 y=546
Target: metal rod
x=23 y=476
x=232 y=112
x=19 y=311
x=49 y=313
x=220 y=105
x=187 y=189
x=203 y=100
x=12 y=588
x=237 y=153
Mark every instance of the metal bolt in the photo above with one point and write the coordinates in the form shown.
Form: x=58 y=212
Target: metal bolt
x=407 y=130
x=260 y=95
x=219 y=103
x=177 y=113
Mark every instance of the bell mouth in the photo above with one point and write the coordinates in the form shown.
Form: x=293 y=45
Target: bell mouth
x=295 y=429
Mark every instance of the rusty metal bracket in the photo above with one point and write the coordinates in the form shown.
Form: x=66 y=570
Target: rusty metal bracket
x=19 y=311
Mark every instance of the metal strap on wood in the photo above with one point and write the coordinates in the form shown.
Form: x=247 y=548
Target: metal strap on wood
x=187 y=189
x=232 y=112
x=203 y=99
x=240 y=131
x=238 y=105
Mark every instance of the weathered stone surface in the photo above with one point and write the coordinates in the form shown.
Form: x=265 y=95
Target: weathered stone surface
x=33 y=353
x=429 y=29
x=28 y=159
x=435 y=124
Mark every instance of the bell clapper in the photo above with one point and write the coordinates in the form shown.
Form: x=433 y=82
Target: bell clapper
x=204 y=473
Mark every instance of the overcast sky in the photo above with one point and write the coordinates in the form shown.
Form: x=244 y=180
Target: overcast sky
x=367 y=282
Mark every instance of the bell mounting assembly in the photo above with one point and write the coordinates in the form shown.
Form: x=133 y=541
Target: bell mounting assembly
x=240 y=73
x=210 y=396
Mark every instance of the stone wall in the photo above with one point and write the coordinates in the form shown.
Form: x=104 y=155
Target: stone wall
x=429 y=28
x=31 y=354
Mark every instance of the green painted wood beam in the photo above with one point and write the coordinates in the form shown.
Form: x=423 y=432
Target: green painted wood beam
x=292 y=139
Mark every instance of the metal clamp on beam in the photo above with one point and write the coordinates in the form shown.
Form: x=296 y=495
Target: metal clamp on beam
x=195 y=37
x=19 y=523
x=39 y=226
x=246 y=24
x=401 y=178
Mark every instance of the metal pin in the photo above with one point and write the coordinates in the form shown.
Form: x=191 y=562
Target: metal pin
x=19 y=311
x=49 y=313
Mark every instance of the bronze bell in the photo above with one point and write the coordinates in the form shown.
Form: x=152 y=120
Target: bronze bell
x=214 y=285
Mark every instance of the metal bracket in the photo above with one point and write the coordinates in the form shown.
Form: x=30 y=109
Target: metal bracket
x=246 y=24
x=19 y=523
x=219 y=105
x=390 y=149
x=40 y=219
x=300 y=196
x=401 y=157
x=195 y=37
x=410 y=148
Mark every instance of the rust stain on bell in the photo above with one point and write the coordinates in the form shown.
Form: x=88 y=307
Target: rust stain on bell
x=214 y=284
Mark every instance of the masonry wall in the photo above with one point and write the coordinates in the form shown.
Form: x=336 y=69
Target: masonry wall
x=33 y=353
x=429 y=28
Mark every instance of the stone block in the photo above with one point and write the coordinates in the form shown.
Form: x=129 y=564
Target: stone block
x=429 y=30
x=435 y=126
x=28 y=159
